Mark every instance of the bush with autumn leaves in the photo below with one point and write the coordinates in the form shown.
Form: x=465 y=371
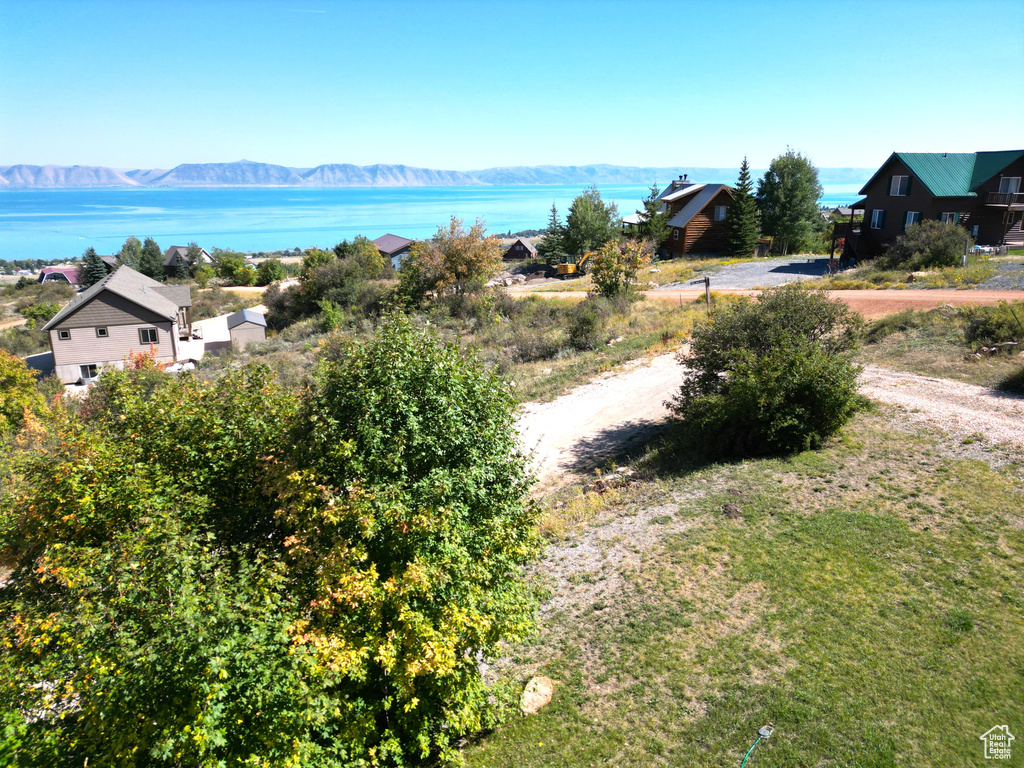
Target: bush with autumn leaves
x=229 y=573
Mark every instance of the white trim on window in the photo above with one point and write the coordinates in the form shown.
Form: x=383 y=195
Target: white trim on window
x=949 y=217
x=877 y=218
x=89 y=372
x=101 y=333
x=63 y=335
x=912 y=217
x=720 y=212
x=899 y=186
x=1009 y=185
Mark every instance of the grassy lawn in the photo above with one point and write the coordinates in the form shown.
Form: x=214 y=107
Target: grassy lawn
x=866 y=599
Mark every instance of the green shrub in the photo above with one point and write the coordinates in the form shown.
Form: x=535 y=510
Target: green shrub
x=928 y=245
x=769 y=376
x=244 y=275
x=995 y=324
x=269 y=271
x=587 y=322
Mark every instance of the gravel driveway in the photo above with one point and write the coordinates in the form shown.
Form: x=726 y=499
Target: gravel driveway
x=763 y=273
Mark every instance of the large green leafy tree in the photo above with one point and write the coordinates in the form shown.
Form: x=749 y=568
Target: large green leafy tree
x=220 y=574
x=654 y=220
x=551 y=247
x=151 y=262
x=787 y=197
x=455 y=261
x=590 y=223
x=742 y=225
x=93 y=268
x=131 y=253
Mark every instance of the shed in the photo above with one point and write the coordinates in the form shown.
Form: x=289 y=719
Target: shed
x=245 y=327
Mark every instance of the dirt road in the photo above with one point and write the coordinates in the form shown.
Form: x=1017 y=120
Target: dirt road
x=582 y=429
x=870 y=304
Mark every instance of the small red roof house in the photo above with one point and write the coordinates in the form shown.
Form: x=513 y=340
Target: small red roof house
x=697 y=216
x=393 y=247
x=69 y=275
x=519 y=250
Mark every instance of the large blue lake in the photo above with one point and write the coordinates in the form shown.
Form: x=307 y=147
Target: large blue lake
x=61 y=223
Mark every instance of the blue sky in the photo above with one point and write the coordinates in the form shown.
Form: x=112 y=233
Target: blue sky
x=467 y=85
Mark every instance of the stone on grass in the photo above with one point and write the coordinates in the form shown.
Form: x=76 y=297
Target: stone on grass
x=536 y=694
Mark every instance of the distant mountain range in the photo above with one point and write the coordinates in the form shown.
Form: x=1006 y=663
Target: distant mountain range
x=246 y=173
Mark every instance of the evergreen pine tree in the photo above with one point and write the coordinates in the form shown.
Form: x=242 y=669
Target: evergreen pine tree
x=93 y=269
x=551 y=247
x=152 y=262
x=654 y=221
x=742 y=225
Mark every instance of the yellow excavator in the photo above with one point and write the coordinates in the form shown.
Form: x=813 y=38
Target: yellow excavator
x=574 y=268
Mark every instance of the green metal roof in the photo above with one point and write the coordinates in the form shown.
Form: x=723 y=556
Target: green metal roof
x=988 y=164
x=945 y=174
x=950 y=174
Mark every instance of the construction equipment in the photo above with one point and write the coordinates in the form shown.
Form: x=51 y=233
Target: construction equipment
x=574 y=268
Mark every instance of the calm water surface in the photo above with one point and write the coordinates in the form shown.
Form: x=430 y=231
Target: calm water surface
x=61 y=223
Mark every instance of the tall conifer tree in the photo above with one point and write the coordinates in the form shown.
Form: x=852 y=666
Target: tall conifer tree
x=93 y=268
x=742 y=225
x=552 y=245
x=152 y=262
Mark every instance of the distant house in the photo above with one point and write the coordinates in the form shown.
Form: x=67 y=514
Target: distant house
x=67 y=275
x=393 y=247
x=697 y=216
x=124 y=312
x=110 y=262
x=519 y=250
x=177 y=256
x=245 y=327
x=981 y=191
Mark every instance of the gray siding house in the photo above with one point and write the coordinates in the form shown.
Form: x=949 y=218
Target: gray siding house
x=123 y=313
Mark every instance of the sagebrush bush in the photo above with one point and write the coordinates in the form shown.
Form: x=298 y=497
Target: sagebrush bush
x=587 y=322
x=927 y=245
x=995 y=324
x=771 y=376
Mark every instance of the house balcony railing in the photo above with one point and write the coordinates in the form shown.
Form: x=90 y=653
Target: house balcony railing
x=1005 y=199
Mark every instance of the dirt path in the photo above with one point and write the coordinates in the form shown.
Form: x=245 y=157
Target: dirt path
x=961 y=410
x=870 y=304
x=601 y=419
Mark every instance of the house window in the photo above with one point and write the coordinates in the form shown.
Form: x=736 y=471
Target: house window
x=949 y=217
x=1009 y=185
x=63 y=335
x=675 y=234
x=719 y=213
x=899 y=186
x=912 y=217
x=101 y=333
x=877 y=219
x=147 y=335
x=89 y=372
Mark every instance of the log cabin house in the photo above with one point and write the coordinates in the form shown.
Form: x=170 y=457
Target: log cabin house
x=697 y=217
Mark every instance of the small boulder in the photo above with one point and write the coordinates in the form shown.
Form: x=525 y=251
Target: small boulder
x=537 y=693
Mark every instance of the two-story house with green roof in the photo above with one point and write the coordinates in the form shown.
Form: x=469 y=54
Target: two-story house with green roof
x=981 y=191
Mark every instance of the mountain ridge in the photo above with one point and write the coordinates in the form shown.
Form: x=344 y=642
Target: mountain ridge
x=248 y=173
